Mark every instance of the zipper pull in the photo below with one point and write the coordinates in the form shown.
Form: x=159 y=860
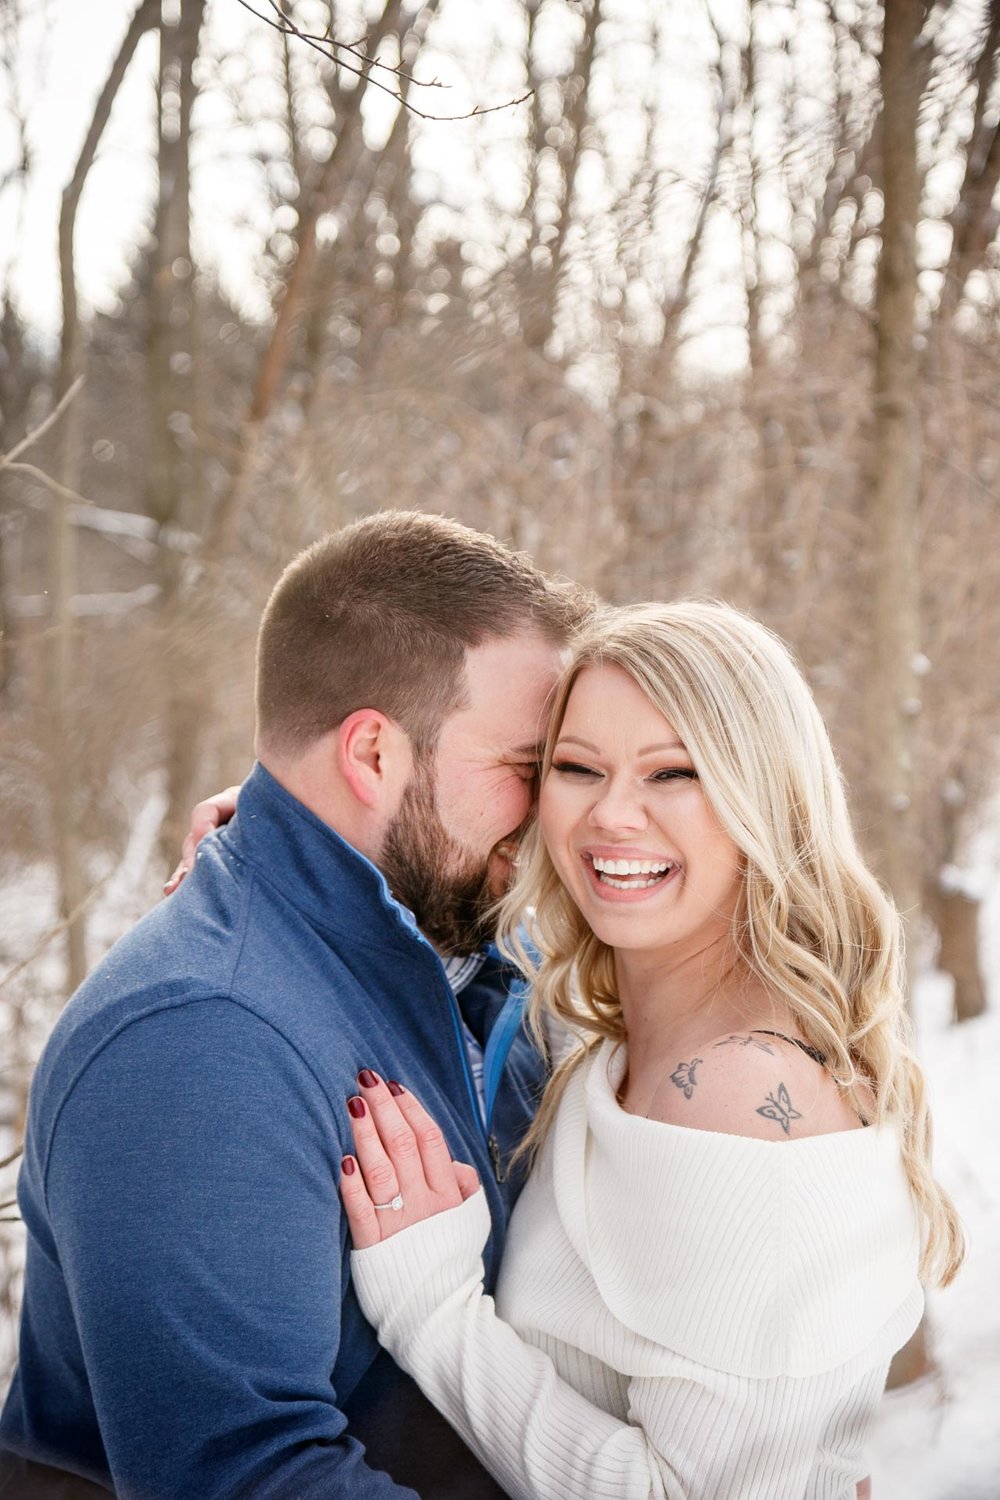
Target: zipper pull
x=498 y=1170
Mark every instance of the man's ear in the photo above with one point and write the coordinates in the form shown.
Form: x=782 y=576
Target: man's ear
x=375 y=758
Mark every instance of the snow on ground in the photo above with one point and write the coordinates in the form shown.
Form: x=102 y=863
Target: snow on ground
x=936 y=1440
x=939 y=1439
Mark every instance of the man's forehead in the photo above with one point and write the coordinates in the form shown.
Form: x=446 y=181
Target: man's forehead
x=491 y=732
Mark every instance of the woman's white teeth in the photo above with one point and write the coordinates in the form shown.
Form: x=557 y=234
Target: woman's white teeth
x=631 y=874
x=631 y=866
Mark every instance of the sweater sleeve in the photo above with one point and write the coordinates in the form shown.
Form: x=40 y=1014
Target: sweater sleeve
x=692 y=1434
x=193 y=1204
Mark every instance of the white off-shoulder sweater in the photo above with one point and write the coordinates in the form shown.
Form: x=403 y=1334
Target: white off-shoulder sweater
x=681 y=1314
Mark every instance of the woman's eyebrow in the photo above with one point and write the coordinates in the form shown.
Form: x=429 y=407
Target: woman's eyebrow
x=572 y=739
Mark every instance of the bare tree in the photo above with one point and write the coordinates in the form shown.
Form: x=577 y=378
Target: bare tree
x=62 y=571
x=974 y=220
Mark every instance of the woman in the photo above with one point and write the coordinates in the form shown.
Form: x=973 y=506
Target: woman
x=713 y=1260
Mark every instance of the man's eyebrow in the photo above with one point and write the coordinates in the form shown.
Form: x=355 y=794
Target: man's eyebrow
x=534 y=751
x=572 y=739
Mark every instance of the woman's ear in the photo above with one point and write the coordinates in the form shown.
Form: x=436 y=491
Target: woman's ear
x=375 y=759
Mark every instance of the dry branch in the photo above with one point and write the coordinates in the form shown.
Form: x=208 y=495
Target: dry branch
x=7 y=459
x=44 y=942
x=338 y=52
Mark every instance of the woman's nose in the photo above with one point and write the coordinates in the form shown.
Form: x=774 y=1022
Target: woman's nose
x=620 y=806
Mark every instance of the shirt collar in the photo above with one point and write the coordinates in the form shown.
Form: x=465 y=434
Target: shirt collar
x=461 y=969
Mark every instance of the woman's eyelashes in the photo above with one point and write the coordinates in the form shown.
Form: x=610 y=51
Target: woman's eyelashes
x=573 y=768
x=664 y=775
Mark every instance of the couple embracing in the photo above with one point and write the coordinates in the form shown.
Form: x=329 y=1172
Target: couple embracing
x=276 y=1138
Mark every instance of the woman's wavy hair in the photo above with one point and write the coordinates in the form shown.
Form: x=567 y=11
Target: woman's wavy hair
x=812 y=923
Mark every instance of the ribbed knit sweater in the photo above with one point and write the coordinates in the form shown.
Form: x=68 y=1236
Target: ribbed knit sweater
x=681 y=1313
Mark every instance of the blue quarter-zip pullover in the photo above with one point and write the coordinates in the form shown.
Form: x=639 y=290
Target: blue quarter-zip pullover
x=189 y=1331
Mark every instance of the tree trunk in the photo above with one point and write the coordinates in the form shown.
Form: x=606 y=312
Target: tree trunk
x=893 y=701
x=173 y=490
x=62 y=676
x=541 y=319
x=974 y=220
x=959 y=956
x=767 y=514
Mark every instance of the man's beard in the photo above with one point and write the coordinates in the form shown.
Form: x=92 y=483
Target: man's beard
x=446 y=888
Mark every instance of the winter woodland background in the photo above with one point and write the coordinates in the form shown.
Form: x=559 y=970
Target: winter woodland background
x=685 y=296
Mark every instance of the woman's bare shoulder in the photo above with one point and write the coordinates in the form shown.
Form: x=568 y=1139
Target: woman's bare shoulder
x=754 y=1084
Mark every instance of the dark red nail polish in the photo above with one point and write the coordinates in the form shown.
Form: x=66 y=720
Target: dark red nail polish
x=394 y=1087
x=367 y=1078
x=356 y=1107
x=347 y=1166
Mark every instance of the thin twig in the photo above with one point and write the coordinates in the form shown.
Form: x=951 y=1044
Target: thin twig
x=53 y=932
x=8 y=1160
x=48 y=481
x=354 y=48
x=333 y=51
x=43 y=427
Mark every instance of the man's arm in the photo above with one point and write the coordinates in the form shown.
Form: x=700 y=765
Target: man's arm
x=192 y=1199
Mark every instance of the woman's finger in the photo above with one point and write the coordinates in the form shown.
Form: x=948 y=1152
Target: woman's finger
x=361 y=1217
x=395 y=1133
x=380 y=1175
x=439 y=1169
x=468 y=1179
x=210 y=814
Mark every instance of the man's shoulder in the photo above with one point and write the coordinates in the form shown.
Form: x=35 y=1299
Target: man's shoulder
x=174 y=957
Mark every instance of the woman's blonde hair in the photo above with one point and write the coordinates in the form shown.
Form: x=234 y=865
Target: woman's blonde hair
x=813 y=923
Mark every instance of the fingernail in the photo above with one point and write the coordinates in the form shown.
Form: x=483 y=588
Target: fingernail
x=347 y=1166
x=394 y=1087
x=367 y=1078
x=356 y=1107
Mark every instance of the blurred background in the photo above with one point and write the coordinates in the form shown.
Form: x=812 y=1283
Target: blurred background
x=681 y=296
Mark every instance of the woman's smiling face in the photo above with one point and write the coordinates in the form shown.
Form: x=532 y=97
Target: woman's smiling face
x=629 y=828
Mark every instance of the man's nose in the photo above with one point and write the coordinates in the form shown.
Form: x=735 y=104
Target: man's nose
x=619 y=806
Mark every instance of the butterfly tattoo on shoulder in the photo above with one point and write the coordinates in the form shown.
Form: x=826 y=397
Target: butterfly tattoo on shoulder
x=683 y=1076
x=778 y=1107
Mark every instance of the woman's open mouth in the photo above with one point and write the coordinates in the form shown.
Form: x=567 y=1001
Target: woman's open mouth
x=629 y=874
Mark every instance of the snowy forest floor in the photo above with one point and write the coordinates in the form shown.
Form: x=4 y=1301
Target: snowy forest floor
x=938 y=1439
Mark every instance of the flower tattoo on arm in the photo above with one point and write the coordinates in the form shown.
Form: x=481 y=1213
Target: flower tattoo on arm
x=683 y=1076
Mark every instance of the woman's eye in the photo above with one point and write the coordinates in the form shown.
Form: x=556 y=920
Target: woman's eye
x=676 y=773
x=572 y=768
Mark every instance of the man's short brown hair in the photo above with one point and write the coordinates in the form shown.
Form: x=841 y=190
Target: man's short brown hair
x=381 y=614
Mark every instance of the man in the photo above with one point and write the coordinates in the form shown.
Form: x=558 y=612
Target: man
x=188 y=1330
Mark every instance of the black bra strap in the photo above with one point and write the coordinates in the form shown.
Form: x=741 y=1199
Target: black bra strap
x=813 y=1052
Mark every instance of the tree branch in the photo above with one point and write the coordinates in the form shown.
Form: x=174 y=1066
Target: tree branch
x=7 y=460
x=335 y=52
